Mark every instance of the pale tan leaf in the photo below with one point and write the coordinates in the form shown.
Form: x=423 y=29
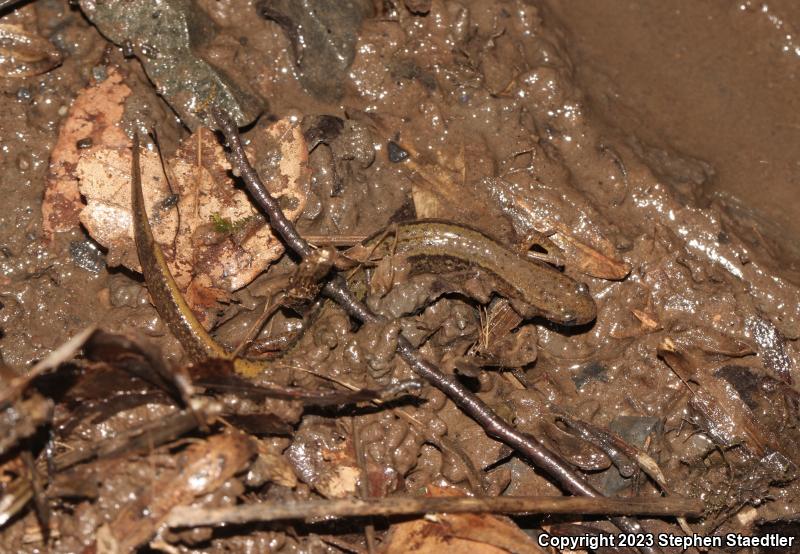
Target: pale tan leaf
x=105 y=182
x=427 y=205
x=649 y=321
x=458 y=534
x=92 y=120
x=214 y=239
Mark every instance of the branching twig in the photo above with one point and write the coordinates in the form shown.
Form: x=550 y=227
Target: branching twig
x=337 y=290
x=187 y=516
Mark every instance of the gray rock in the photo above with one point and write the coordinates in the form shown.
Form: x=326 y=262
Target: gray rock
x=167 y=36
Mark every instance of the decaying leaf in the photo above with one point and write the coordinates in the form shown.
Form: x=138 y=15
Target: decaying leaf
x=325 y=459
x=588 y=260
x=104 y=177
x=200 y=469
x=458 y=534
x=92 y=122
x=221 y=234
x=726 y=416
x=213 y=237
x=596 y=260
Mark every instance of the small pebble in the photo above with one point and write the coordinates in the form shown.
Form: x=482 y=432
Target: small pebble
x=87 y=255
x=396 y=152
x=99 y=73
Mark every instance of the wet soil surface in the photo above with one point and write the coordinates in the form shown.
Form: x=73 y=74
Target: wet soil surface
x=646 y=150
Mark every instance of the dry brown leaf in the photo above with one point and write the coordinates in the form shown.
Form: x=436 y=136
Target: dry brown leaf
x=94 y=116
x=588 y=260
x=214 y=238
x=458 y=534
x=200 y=469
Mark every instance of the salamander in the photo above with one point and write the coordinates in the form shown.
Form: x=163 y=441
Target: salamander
x=534 y=289
x=432 y=246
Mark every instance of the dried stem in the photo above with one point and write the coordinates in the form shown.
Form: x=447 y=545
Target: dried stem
x=187 y=516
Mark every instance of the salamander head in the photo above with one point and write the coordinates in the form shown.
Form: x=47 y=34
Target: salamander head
x=564 y=301
x=574 y=308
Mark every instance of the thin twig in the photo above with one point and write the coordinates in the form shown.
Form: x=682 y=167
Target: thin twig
x=272 y=305
x=363 y=483
x=187 y=516
x=337 y=290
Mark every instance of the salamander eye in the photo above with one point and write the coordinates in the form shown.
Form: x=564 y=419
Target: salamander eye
x=582 y=288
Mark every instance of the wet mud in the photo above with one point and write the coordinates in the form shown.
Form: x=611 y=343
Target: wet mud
x=644 y=154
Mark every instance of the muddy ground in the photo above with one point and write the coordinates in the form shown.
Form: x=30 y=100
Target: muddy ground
x=655 y=144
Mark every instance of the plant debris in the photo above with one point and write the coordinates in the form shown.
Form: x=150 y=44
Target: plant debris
x=94 y=116
x=214 y=240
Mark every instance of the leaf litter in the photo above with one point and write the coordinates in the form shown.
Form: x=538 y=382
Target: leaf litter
x=112 y=429
x=214 y=239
